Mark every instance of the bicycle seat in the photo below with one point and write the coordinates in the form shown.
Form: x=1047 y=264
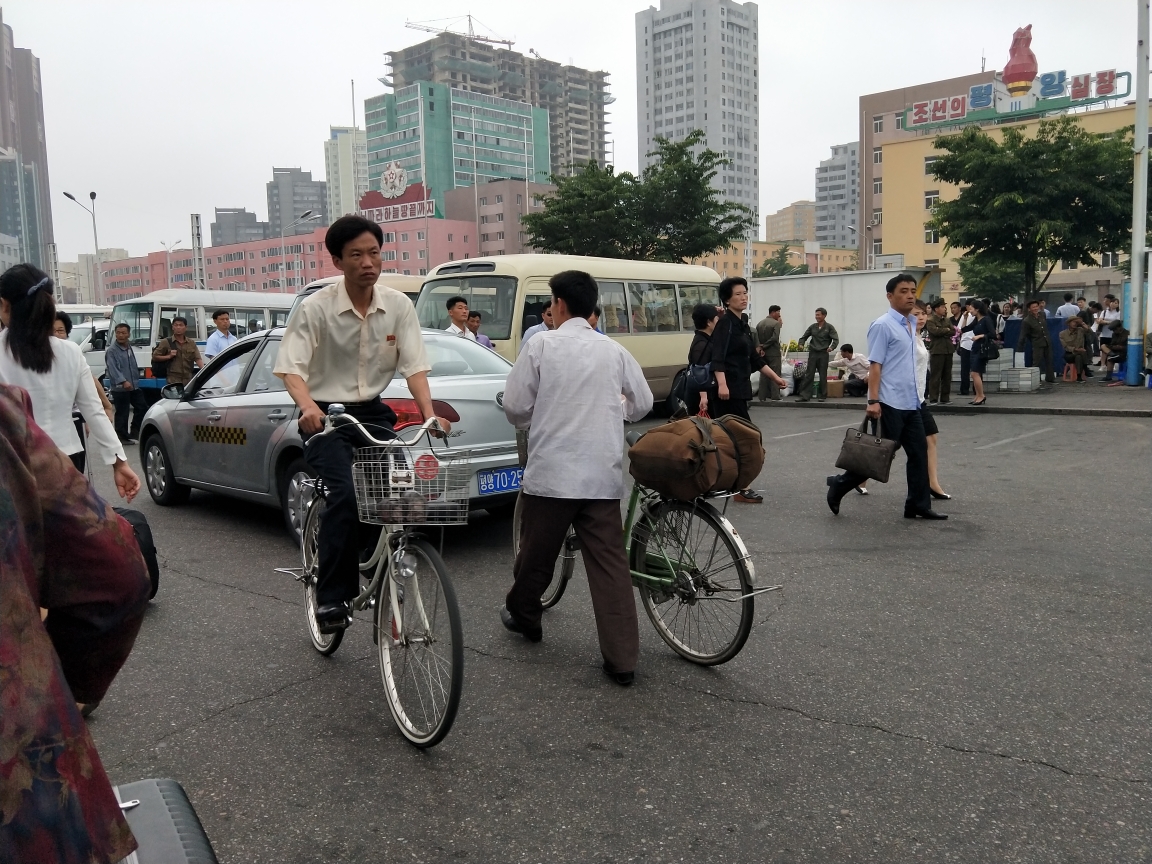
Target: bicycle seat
x=632 y=437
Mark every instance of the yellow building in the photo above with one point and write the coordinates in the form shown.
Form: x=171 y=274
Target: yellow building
x=730 y=261
x=910 y=191
x=797 y=221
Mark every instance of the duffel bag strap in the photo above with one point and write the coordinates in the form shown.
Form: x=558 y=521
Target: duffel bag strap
x=735 y=446
x=709 y=445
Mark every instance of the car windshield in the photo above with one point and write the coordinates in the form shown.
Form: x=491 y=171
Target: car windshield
x=492 y=296
x=79 y=333
x=456 y=355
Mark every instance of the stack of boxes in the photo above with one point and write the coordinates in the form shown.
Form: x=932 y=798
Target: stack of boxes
x=1001 y=375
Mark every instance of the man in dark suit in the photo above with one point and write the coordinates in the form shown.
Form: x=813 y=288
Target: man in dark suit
x=768 y=338
x=1034 y=330
x=940 y=348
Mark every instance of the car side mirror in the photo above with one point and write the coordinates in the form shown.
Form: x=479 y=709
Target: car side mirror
x=172 y=391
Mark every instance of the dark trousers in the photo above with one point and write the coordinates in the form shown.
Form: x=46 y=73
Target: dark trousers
x=940 y=377
x=600 y=531
x=122 y=400
x=907 y=427
x=817 y=362
x=965 y=371
x=330 y=456
x=719 y=407
x=1042 y=357
x=769 y=389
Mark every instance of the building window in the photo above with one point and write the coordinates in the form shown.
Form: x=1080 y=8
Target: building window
x=931 y=262
x=899 y=122
x=483 y=202
x=1069 y=265
x=499 y=199
x=449 y=239
x=877 y=155
x=465 y=240
x=519 y=200
x=931 y=235
x=877 y=187
x=929 y=161
x=404 y=238
x=877 y=217
x=1110 y=259
x=451 y=256
x=420 y=254
x=499 y=217
x=931 y=199
x=419 y=235
x=878 y=123
x=877 y=247
x=403 y=256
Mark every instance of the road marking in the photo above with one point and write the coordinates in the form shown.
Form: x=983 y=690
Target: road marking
x=1017 y=438
x=812 y=431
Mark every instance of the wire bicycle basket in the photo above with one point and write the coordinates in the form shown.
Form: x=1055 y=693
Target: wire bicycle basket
x=403 y=485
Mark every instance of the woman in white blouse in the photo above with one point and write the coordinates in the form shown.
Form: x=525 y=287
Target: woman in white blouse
x=54 y=372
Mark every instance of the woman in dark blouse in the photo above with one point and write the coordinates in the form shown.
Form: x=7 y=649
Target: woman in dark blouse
x=983 y=331
x=704 y=317
x=734 y=356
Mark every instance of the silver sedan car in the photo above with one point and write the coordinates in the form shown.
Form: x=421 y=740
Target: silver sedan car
x=233 y=429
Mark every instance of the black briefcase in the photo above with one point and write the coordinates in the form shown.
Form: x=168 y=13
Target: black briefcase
x=870 y=454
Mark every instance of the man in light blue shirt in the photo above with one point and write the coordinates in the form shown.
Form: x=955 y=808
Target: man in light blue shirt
x=543 y=327
x=222 y=338
x=894 y=399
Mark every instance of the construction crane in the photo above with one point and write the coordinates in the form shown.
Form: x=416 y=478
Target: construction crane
x=435 y=26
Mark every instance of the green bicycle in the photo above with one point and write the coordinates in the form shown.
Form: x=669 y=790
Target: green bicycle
x=695 y=576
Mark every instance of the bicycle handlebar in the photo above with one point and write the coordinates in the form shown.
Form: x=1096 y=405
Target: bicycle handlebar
x=337 y=418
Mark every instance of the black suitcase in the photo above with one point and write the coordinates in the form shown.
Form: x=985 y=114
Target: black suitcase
x=164 y=824
x=143 y=532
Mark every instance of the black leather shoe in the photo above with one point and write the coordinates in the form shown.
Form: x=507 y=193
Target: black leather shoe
x=510 y=623
x=834 y=494
x=333 y=617
x=923 y=514
x=624 y=679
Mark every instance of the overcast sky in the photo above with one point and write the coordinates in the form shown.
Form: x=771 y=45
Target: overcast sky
x=170 y=108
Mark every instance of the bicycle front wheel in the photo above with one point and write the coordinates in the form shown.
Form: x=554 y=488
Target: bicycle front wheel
x=565 y=563
x=325 y=643
x=703 y=610
x=422 y=654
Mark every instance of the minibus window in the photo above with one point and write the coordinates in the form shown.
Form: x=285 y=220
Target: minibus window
x=138 y=317
x=615 y=307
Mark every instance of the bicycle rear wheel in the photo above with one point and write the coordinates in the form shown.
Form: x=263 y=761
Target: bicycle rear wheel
x=422 y=659
x=565 y=563
x=325 y=643
x=705 y=614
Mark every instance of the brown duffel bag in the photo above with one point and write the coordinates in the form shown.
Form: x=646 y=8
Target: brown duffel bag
x=691 y=457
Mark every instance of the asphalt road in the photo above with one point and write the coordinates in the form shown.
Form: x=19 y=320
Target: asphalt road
x=970 y=690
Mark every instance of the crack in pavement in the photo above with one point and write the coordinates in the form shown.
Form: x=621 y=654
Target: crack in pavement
x=166 y=566
x=910 y=737
x=224 y=710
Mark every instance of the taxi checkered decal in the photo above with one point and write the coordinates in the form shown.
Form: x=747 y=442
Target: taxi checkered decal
x=220 y=434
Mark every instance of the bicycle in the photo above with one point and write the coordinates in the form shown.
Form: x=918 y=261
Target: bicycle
x=690 y=566
x=416 y=624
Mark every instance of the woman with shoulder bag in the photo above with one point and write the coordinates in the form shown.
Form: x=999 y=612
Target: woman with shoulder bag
x=704 y=317
x=983 y=348
x=734 y=356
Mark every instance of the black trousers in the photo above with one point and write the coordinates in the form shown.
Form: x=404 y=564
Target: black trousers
x=940 y=377
x=965 y=371
x=719 y=407
x=907 y=427
x=817 y=362
x=341 y=533
x=122 y=400
x=544 y=524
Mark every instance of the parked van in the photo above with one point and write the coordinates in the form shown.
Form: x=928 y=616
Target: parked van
x=647 y=305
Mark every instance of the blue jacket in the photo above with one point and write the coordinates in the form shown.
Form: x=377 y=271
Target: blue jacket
x=122 y=366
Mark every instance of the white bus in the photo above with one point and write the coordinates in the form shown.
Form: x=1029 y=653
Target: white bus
x=84 y=313
x=647 y=305
x=149 y=319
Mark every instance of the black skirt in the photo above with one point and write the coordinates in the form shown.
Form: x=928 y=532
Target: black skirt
x=930 y=427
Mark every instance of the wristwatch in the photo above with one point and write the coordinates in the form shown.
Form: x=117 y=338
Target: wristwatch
x=873 y=401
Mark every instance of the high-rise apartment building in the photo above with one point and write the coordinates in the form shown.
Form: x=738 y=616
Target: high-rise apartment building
x=291 y=194
x=446 y=137
x=797 y=221
x=837 y=190
x=25 y=199
x=698 y=67
x=346 y=169
x=237 y=225
x=574 y=98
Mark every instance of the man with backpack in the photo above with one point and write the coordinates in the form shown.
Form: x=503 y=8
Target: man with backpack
x=179 y=353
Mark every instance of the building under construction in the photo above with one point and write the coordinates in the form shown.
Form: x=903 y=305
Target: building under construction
x=575 y=98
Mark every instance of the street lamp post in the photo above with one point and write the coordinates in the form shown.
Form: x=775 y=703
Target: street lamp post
x=96 y=242
x=868 y=244
x=168 y=247
x=306 y=216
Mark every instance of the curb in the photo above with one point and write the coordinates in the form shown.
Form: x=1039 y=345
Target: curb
x=841 y=405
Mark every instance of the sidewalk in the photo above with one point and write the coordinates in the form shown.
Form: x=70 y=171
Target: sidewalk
x=1093 y=398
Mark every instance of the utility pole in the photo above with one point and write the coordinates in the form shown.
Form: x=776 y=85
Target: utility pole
x=1135 y=298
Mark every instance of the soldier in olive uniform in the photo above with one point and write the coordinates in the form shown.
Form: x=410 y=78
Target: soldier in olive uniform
x=768 y=338
x=821 y=338
x=1075 y=349
x=940 y=348
x=1034 y=329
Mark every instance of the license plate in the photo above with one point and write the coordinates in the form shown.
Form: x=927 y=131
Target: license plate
x=499 y=480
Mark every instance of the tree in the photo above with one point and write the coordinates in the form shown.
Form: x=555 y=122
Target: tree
x=777 y=265
x=670 y=213
x=1064 y=195
x=988 y=278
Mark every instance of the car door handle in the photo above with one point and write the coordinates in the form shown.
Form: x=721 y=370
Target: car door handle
x=277 y=415
x=214 y=416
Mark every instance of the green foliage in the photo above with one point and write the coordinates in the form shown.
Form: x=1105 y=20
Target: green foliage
x=670 y=213
x=777 y=264
x=1065 y=194
x=989 y=278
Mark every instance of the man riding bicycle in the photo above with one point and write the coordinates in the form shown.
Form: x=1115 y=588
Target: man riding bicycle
x=344 y=344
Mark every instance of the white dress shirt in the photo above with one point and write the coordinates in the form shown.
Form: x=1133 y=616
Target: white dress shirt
x=1068 y=310
x=456 y=331
x=53 y=393
x=858 y=365
x=575 y=388
x=922 y=356
x=344 y=356
x=966 y=341
x=532 y=331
